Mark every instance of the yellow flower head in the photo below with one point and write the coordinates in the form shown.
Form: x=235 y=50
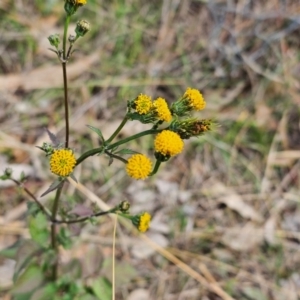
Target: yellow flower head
x=195 y=98
x=62 y=162
x=162 y=110
x=168 y=143
x=139 y=166
x=143 y=104
x=142 y=221
x=81 y=2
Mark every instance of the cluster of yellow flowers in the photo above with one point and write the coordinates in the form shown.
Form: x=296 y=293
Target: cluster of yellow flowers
x=168 y=142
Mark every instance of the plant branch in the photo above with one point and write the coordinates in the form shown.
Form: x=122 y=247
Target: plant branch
x=41 y=206
x=117 y=130
x=109 y=147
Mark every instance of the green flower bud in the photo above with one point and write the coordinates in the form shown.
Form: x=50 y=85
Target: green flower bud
x=8 y=172
x=72 y=5
x=82 y=27
x=54 y=40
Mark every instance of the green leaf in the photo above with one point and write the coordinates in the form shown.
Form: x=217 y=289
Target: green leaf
x=32 y=208
x=31 y=279
x=54 y=186
x=38 y=228
x=72 y=270
x=254 y=293
x=98 y=131
x=26 y=252
x=46 y=292
x=102 y=288
x=126 y=151
x=64 y=238
x=11 y=252
x=22 y=176
x=124 y=272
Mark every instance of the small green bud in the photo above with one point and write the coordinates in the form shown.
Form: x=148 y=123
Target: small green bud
x=82 y=27
x=8 y=172
x=54 y=40
x=71 y=39
x=124 y=207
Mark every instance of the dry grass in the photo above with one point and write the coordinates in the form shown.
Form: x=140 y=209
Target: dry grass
x=226 y=212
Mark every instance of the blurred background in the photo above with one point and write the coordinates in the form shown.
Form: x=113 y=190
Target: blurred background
x=228 y=206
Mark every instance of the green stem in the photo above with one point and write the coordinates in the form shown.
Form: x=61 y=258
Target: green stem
x=99 y=150
x=116 y=157
x=68 y=18
x=156 y=167
x=64 y=67
x=117 y=130
x=53 y=231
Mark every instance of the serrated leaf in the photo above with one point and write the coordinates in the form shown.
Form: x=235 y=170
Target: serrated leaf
x=31 y=279
x=54 y=186
x=126 y=151
x=98 y=131
x=102 y=288
x=46 y=292
x=53 y=138
x=38 y=228
x=25 y=253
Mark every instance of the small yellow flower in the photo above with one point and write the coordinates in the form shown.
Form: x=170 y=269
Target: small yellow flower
x=143 y=104
x=168 y=143
x=139 y=166
x=142 y=221
x=62 y=162
x=162 y=110
x=195 y=98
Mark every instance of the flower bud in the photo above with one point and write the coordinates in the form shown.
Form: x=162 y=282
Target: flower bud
x=54 y=40
x=82 y=27
x=72 y=5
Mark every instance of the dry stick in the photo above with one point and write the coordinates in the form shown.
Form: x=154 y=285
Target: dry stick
x=211 y=286
x=113 y=259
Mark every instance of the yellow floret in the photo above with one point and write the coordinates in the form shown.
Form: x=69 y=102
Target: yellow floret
x=144 y=222
x=143 y=104
x=139 y=166
x=81 y=2
x=195 y=98
x=162 y=110
x=168 y=143
x=62 y=162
